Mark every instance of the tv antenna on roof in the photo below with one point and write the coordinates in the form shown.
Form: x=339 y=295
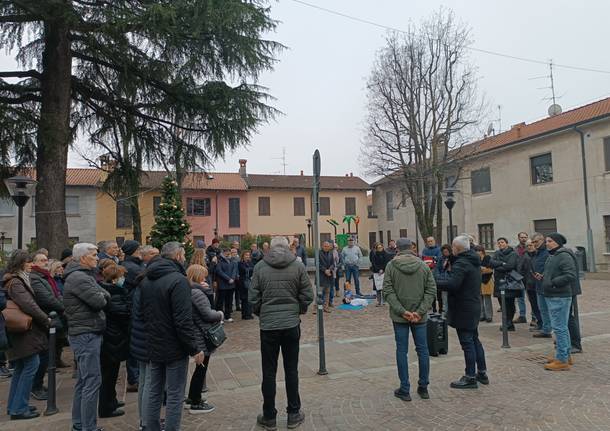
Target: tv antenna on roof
x=555 y=108
x=283 y=159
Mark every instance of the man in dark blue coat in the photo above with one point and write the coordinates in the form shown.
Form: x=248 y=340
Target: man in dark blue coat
x=170 y=336
x=463 y=284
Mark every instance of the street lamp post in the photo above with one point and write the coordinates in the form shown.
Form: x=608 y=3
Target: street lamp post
x=309 y=231
x=450 y=203
x=20 y=189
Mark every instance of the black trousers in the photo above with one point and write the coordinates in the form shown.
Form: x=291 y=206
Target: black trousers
x=439 y=301
x=237 y=300
x=271 y=342
x=110 y=372
x=224 y=302
x=246 y=308
x=533 y=300
x=510 y=311
x=42 y=370
x=198 y=380
x=574 y=327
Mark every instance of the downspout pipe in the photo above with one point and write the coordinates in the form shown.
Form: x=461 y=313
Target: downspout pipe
x=590 y=247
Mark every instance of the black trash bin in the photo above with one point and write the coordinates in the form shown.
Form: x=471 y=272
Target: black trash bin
x=581 y=259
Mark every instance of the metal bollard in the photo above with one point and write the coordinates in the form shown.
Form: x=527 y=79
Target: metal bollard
x=51 y=400
x=505 y=344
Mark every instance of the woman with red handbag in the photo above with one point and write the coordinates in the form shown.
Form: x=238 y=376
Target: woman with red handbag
x=25 y=345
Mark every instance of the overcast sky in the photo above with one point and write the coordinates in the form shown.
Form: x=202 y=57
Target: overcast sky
x=319 y=80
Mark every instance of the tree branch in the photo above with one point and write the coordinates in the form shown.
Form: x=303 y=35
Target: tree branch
x=21 y=74
x=19 y=18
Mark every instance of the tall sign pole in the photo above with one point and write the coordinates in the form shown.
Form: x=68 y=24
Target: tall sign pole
x=315 y=199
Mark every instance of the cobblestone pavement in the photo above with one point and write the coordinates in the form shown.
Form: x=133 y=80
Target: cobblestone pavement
x=357 y=392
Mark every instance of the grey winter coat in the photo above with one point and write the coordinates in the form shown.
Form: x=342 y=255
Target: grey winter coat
x=203 y=315
x=84 y=300
x=45 y=298
x=280 y=290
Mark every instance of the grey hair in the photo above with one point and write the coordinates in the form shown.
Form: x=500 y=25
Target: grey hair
x=462 y=241
x=537 y=235
x=147 y=249
x=104 y=245
x=171 y=249
x=279 y=241
x=82 y=249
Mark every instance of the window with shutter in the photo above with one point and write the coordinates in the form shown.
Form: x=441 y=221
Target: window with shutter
x=545 y=226
x=123 y=214
x=234 y=212
x=350 y=206
x=389 y=206
x=607 y=228
x=486 y=236
x=325 y=206
x=299 y=206
x=403 y=233
x=156 y=204
x=264 y=206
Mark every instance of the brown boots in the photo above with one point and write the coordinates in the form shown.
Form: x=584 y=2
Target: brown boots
x=556 y=365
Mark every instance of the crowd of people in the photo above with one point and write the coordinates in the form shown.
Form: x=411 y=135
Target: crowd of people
x=540 y=269
x=148 y=308
x=154 y=310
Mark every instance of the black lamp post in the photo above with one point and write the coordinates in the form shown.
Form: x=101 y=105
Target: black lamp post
x=309 y=231
x=20 y=189
x=450 y=203
x=2 y=238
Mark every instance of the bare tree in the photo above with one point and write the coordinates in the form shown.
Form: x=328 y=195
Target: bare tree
x=422 y=102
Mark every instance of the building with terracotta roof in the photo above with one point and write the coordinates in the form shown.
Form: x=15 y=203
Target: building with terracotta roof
x=549 y=175
x=215 y=204
x=82 y=186
x=281 y=204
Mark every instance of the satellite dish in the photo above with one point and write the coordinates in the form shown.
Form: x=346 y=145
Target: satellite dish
x=554 y=109
x=490 y=129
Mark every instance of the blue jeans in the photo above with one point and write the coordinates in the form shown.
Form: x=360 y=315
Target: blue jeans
x=174 y=374
x=133 y=371
x=420 y=337
x=21 y=384
x=521 y=305
x=544 y=313
x=86 y=348
x=474 y=354
x=559 y=310
x=143 y=388
x=353 y=270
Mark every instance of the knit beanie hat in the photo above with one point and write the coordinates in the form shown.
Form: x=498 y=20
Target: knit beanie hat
x=130 y=246
x=558 y=238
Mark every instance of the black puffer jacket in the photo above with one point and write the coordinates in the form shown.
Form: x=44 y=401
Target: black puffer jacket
x=84 y=301
x=379 y=260
x=203 y=315
x=137 y=339
x=463 y=284
x=503 y=262
x=134 y=267
x=167 y=312
x=116 y=335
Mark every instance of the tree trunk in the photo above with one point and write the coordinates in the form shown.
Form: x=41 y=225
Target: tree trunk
x=53 y=139
x=135 y=216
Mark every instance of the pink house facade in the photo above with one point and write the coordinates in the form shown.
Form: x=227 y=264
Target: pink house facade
x=216 y=205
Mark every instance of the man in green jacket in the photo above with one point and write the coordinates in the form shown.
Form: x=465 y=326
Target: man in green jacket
x=280 y=292
x=409 y=289
x=560 y=273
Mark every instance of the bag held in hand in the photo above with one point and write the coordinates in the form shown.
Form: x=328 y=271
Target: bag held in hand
x=215 y=336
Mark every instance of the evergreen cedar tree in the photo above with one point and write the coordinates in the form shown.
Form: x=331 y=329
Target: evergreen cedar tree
x=170 y=223
x=179 y=76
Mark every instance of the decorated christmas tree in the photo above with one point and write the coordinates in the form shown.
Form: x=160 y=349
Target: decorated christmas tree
x=170 y=223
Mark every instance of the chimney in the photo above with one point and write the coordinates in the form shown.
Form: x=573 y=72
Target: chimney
x=242 y=168
x=517 y=128
x=351 y=174
x=301 y=172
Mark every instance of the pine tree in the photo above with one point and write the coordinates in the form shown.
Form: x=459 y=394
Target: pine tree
x=170 y=223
